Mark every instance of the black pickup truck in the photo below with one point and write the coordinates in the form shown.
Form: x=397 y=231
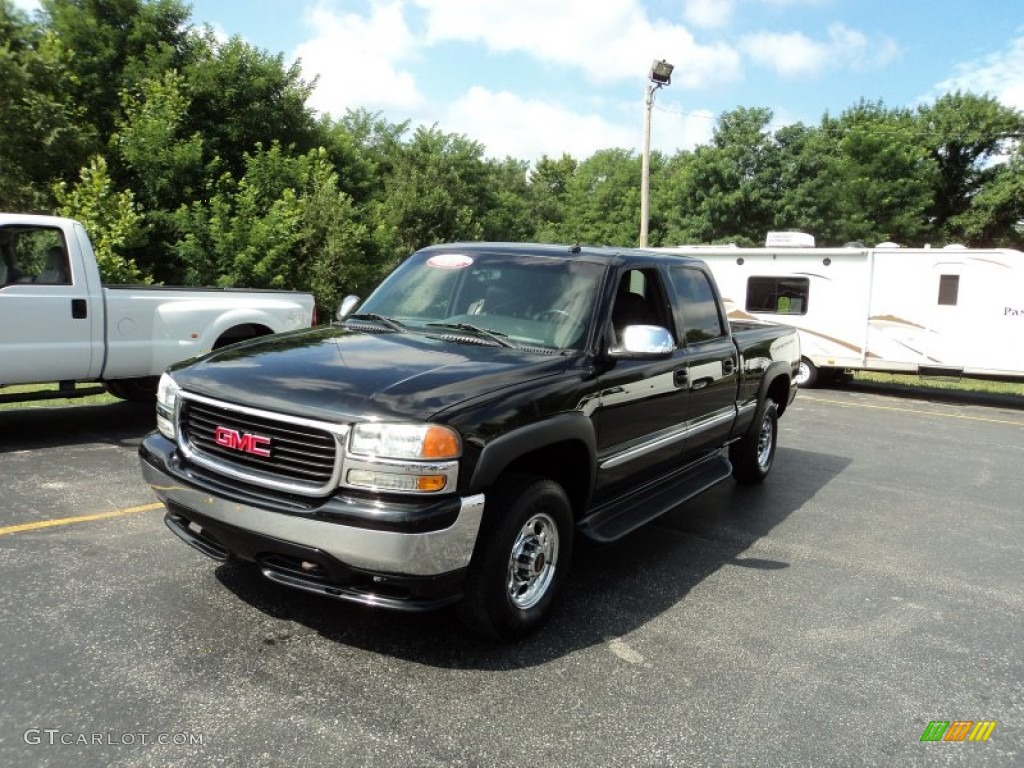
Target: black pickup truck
x=448 y=440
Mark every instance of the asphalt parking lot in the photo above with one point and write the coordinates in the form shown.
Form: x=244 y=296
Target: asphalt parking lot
x=872 y=585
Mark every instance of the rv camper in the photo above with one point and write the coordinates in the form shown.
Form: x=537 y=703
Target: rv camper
x=950 y=311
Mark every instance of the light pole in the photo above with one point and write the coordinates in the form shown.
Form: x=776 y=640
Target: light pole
x=660 y=75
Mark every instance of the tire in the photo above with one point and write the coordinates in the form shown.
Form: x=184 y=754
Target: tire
x=753 y=456
x=141 y=390
x=521 y=558
x=807 y=374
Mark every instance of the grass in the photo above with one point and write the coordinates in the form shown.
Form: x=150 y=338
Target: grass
x=54 y=403
x=917 y=383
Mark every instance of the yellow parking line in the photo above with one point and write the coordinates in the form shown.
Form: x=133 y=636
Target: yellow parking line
x=911 y=410
x=78 y=519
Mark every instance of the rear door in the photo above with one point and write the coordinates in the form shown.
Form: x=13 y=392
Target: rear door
x=708 y=357
x=46 y=333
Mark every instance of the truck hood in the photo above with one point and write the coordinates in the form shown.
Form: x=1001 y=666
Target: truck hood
x=340 y=374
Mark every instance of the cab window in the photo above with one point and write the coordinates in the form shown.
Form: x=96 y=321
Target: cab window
x=33 y=256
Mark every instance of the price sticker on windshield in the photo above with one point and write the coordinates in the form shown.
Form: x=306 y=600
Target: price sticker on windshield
x=449 y=261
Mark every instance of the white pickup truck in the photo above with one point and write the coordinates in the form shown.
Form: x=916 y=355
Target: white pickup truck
x=58 y=324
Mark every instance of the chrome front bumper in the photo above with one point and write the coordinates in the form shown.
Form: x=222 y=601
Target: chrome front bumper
x=427 y=553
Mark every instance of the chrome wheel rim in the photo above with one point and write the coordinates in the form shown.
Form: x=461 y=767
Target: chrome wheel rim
x=764 y=442
x=803 y=373
x=531 y=568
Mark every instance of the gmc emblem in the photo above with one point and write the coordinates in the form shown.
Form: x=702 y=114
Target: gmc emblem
x=257 y=445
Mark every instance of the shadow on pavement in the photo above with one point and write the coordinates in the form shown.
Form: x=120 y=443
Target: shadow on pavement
x=611 y=591
x=120 y=423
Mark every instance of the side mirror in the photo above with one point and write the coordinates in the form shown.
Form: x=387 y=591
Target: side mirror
x=347 y=305
x=643 y=342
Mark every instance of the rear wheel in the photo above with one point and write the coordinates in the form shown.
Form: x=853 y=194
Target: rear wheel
x=752 y=456
x=521 y=558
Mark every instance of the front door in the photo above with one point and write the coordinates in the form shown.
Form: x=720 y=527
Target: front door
x=45 y=328
x=642 y=405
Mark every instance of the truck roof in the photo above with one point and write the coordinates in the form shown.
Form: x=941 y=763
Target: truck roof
x=596 y=254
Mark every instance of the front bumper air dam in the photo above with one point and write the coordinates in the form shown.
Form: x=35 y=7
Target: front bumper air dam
x=405 y=571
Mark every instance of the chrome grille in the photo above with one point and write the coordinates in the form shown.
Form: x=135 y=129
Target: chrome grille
x=304 y=456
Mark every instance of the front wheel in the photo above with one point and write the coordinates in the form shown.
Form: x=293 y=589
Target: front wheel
x=753 y=455
x=522 y=555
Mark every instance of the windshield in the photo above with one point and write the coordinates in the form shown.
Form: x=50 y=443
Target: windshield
x=530 y=300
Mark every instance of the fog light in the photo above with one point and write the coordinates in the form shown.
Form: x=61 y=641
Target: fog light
x=388 y=481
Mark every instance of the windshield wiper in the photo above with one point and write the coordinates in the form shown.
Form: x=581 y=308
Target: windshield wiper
x=394 y=325
x=496 y=336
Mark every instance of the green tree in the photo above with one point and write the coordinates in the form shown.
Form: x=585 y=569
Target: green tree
x=437 y=191
x=44 y=133
x=116 y=44
x=965 y=136
x=164 y=166
x=247 y=234
x=111 y=218
x=241 y=97
x=509 y=218
x=336 y=248
x=995 y=217
x=549 y=190
x=602 y=201
x=727 y=191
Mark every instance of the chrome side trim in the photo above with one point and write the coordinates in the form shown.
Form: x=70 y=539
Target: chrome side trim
x=746 y=408
x=673 y=435
x=712 y=420
x=677 y=434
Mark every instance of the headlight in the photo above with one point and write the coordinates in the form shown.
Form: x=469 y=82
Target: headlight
x=405 y=458
x=404 y=441
x=166 y=400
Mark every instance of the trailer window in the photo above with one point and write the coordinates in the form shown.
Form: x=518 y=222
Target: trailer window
x=949 y=289
x=778 y=295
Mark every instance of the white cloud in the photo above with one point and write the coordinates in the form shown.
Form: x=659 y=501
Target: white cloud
x=358 y=59
x=609 y=41
x=372 y=60
x=29 y=6
x=709 y=14
x=788 y=54
x=509 y=125
x=794 y=54
x=999 y=74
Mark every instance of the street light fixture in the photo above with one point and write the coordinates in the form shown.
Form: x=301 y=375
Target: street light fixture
x=660 y=75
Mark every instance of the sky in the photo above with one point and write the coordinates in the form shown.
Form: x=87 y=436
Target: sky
x=528 y=78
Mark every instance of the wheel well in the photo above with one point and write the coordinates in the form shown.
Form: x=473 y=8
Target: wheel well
x=778 y=391
x=567 y=463
x=241 y=333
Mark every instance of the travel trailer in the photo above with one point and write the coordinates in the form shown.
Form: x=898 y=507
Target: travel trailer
x=951 y=311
